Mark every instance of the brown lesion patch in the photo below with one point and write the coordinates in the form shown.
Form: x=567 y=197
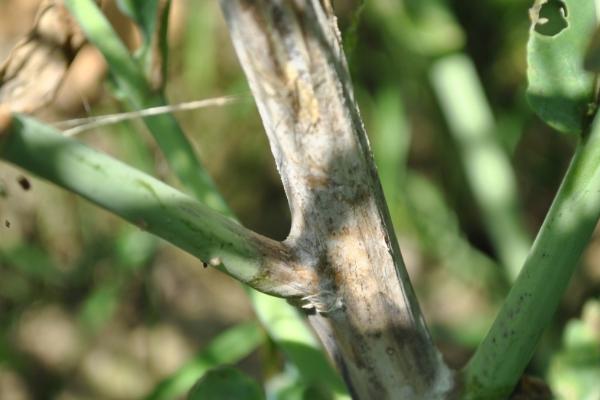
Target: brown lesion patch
x=314 y=181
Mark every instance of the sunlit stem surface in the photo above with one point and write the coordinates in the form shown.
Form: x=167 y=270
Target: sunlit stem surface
x=507 y=349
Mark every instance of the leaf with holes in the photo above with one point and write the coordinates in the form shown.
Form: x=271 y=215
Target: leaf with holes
x=560 y=91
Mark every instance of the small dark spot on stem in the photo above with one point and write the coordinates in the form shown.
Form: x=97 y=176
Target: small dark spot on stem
x=143 y=225
x=376 y=334
x=7 y=223
x=204 y=264
x=24 y=183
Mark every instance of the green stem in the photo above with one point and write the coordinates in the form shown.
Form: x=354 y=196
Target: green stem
x=124 y=69
x=416 y=205
x=507 y=349
x=487 y=166
x=180 y=154
x=152 y=205
x=130 y=79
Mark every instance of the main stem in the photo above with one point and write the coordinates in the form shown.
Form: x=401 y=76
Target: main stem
x=507 y=349
x=364 y=309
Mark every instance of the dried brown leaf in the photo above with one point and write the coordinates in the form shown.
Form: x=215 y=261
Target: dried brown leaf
x=37 y=65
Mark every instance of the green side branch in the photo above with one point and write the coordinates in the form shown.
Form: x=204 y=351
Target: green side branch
x=148 y=203
x=507 y=349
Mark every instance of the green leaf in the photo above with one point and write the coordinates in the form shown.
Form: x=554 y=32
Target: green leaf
x=560 y=90
x=101 y=305
x=575 y=369
x=226 y=383
x=229 y=347
x=33 y=263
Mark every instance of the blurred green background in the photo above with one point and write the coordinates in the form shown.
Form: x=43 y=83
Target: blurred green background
x=92 y=308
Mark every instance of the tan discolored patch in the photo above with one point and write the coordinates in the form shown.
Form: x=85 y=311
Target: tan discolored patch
x=306 y=104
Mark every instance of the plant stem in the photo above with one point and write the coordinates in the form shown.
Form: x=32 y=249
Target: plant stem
x=125 y=70
x=365 y=311
x=505 y=352
x=182 y=159
x=153 y=206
